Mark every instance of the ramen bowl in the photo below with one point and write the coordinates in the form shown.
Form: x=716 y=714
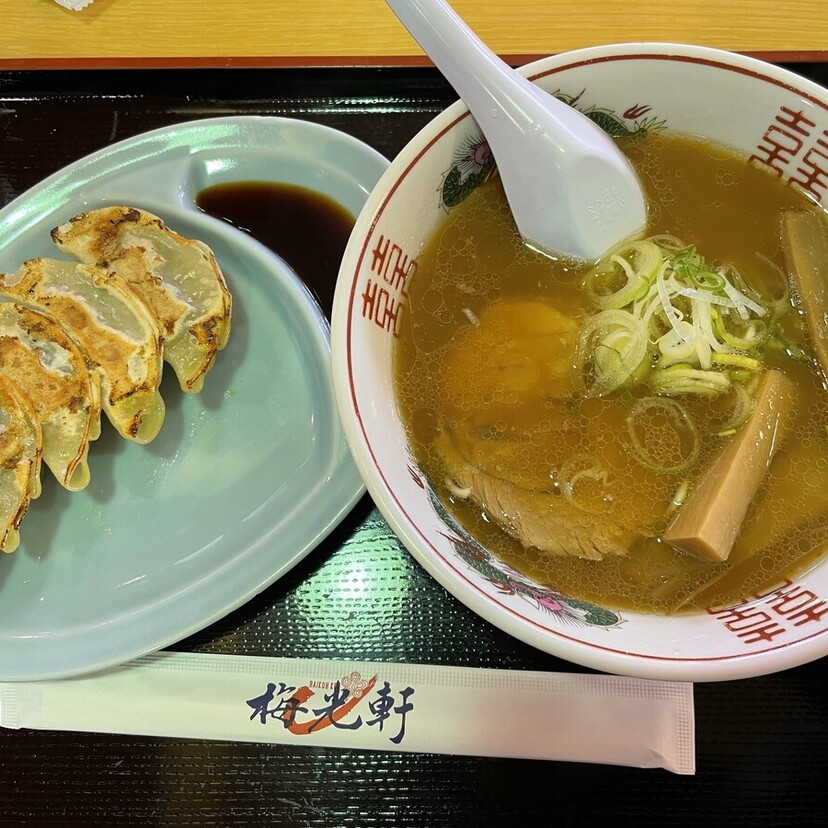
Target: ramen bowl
x=772 y=117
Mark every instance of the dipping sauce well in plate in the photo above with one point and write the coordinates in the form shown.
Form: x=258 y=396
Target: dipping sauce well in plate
x=306 y=228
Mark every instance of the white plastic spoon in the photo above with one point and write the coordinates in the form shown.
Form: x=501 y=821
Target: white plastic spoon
x=570 y=189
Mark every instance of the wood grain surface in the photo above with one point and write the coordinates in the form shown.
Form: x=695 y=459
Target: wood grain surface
x=40 y=33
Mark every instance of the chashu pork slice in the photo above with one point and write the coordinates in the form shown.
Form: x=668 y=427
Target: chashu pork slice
x=39 y=356
x=21 y=447
x=539 y=518
x=505 y=365
x=178 y=278
x=113 y=328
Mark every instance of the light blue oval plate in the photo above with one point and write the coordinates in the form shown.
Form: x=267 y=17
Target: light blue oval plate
x=245 y=478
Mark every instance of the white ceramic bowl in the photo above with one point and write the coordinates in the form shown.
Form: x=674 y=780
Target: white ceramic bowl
x=759 y=110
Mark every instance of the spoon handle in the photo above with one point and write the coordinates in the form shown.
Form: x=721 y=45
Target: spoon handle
x=569 y=186
x=488 y=86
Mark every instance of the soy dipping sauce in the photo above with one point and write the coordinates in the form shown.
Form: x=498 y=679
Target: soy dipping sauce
x=307 y=229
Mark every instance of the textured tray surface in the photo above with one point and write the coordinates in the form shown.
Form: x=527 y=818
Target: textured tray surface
x=762 y=744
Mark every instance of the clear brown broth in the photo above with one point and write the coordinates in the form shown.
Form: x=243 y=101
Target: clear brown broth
x=730 y=211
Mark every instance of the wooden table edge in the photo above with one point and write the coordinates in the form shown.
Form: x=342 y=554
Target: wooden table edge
x=266 y=62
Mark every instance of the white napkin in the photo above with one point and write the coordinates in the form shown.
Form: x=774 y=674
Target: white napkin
x=373 y=706
x=75 y=5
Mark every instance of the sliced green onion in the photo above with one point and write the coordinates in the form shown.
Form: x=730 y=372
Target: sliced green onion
x=747 y=337
x=691 y=316
x=633 y=264
x=742 y=407
x=585 y=467
x=781 y=301
x=672 y=244
x=679 y=497
x=672 y=315
x=743 y=303
x=706 y=296
x=653 y=457
x=616 y=342
x=707 y=280
x=676 y=349
x=684 y=379
x=739 y=375
x=738 y=360
x=780 y=342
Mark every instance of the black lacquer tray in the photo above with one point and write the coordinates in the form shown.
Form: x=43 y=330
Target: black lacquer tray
x=762 y=744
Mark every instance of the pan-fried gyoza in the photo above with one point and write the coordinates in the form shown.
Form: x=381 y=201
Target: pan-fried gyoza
x=113 y=328
x=21 y=447
x=77 y=338
x=177 y=277
x=49 y=368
